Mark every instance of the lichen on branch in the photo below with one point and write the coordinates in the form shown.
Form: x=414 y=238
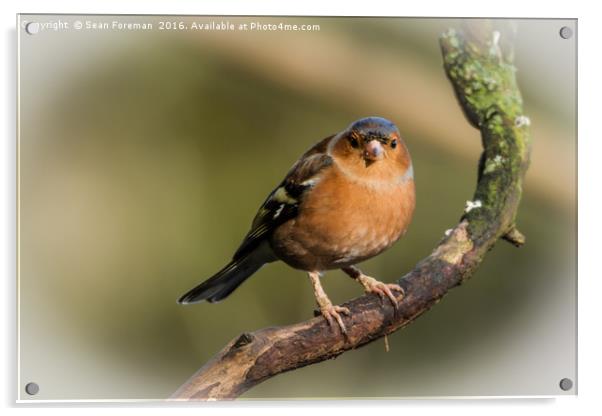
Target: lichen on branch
x=484 y=81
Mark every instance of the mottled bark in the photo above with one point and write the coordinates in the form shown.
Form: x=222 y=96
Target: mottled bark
x=483 y=78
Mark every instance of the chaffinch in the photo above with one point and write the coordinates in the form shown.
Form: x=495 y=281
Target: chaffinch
x=347 y=199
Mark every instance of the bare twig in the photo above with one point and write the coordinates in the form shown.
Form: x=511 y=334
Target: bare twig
x=484 y=81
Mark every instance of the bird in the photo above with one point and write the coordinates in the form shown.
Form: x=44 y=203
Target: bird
x=348 y=198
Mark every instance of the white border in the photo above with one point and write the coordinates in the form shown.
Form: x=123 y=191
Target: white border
x=589 y=209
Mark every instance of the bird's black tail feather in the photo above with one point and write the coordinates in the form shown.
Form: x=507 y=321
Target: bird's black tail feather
x=223 y=282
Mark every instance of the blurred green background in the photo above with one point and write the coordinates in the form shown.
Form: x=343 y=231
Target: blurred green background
x=143 y=156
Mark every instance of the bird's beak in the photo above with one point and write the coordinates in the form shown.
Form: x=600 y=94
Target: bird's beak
x=373 y=150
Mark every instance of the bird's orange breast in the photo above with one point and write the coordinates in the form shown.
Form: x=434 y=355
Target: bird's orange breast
x=344 y=221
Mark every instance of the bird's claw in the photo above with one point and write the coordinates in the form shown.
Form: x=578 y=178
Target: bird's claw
x=332 y=313
x=371 y=285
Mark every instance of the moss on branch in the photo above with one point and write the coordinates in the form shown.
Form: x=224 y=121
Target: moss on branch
x=484 y=81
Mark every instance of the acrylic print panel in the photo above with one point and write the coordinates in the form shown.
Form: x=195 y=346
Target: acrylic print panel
x=148 y=143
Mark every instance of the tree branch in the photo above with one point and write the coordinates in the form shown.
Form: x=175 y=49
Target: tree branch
x=484 y=82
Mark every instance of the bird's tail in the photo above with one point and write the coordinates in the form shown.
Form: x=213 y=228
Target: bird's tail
x=225 y=281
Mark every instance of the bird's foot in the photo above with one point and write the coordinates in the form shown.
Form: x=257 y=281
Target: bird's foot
x=371 y=285
x=330 y=312
x=333 y=313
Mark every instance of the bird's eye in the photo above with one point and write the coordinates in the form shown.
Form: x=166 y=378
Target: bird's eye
x=393 y=144
x=354 y=142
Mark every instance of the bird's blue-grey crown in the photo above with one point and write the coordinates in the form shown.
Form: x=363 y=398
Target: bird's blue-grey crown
x=373 y=126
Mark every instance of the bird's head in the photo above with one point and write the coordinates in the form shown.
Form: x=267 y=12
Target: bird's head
x=372 y=146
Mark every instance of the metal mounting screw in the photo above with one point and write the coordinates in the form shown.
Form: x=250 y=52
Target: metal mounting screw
x=566 y=32
x=32 y=28
x=566 y=384
x=32 y=389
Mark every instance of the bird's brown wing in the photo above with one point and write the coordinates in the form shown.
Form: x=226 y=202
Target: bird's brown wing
x=283 y=202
